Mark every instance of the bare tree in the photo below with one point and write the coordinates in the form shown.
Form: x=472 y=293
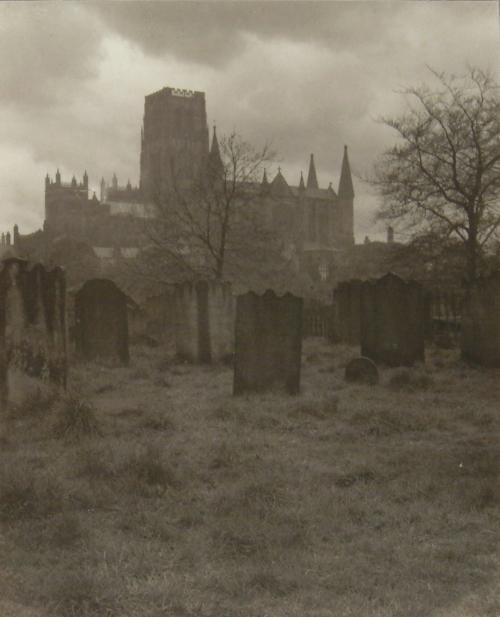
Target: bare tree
x=216 y=227
x=443 y=175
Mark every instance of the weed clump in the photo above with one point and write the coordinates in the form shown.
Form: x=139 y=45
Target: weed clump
x=37 y=403
x=66 y=530
x=407 y=380
x=75 y=418
x=320 y=408
x=24 y=495
x=149 y=473
x=162 y=424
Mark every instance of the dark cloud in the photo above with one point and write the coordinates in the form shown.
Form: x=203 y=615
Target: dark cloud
x=309 y=77
x=46 y=52
x=212 y=33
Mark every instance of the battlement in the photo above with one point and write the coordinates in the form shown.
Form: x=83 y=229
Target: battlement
x=58 y=183
x=178 y=92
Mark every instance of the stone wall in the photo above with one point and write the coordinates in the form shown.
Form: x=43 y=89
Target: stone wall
x=347 y=312
x=204 y=321
x=268 y=343
x=101 y=322
x=392 y=321
x=480 y=341
x=32 y=328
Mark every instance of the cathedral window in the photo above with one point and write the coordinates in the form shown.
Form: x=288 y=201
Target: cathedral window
x=323 y=271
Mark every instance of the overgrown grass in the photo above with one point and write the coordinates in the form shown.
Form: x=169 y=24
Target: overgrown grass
x=346 y=500
x=38 y=403
x=26 y=493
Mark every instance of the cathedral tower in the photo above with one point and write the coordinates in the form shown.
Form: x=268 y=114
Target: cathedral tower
x=174 y=141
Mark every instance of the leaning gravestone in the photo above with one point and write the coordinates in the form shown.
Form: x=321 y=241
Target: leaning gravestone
x=268 y=343
x=204 y=321
x=32 y=328
x=392 y=321
x=362 y=370
x=347 y=312
x=101 y=322
x=480 y=341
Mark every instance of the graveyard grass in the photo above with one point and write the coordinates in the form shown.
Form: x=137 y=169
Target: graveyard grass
x=151 y=491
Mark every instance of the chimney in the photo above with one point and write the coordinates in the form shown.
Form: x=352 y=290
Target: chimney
x=390 y=235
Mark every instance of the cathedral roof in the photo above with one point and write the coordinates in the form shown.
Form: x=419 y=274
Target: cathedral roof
x=279 y=185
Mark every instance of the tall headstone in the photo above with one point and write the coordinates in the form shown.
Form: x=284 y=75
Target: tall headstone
x=347 y=312
x=159 y=311
x=204 y=318
x=32 y=328
x=268 y=343
x=480 y=341
x=101 y=322
x=392 y=321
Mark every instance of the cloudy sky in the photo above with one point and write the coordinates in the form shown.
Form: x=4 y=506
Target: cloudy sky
x=307 y=76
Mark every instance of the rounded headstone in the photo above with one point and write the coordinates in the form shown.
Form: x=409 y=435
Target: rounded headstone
x=362 y=370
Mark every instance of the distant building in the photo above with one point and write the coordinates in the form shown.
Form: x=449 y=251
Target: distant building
x=315 y=223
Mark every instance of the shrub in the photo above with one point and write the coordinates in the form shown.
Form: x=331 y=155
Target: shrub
x=75 y=418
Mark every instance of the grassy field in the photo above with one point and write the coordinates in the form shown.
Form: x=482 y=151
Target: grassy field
x=150 y=491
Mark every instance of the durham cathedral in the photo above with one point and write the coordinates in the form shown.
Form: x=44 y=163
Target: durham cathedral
x=316 y=224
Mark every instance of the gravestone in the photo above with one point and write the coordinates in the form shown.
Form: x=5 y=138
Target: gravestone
x=392 y=321
x=159 y=310
x=347 y=312
x=362 y=370
x=204 y=321
x=480 y=340
x=101 y=322
x=268 y=343
x=32 y=328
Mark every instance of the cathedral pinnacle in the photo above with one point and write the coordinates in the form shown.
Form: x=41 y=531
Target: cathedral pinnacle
x=302 y=186
x=346 y=189
x=215 y=163
x=312 y=180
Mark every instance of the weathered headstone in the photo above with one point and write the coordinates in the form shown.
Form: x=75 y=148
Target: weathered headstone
x=480 y=341
x=159 y=310
x=32 y=328
x=101 y=322
x=204 y=318
x=362 y=370
x=347 y=312
x=392 y=321
x=268 y=343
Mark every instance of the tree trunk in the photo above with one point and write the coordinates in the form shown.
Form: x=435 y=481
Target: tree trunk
x=471 y=255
